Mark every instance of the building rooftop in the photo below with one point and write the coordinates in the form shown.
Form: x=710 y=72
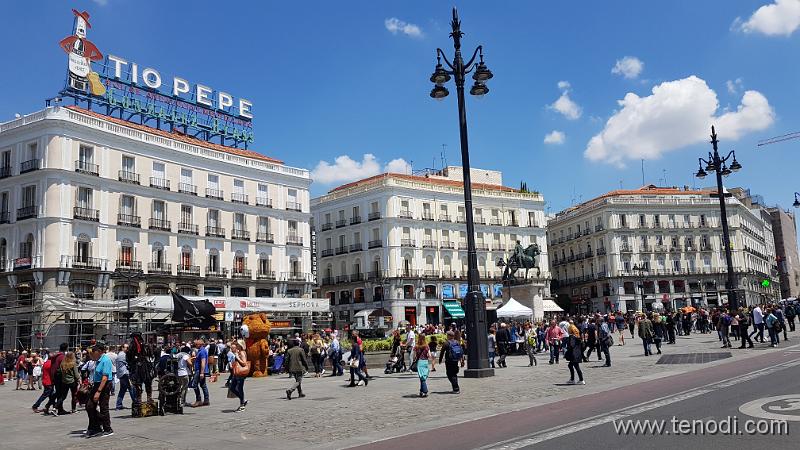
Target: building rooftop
x=422 y=179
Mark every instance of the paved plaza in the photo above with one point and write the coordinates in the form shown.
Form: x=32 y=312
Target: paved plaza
x=334 y=416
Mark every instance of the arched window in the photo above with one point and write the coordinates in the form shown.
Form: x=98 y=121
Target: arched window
x=158 y=257
x=213 y=262
x=239 y=263
x=186 y=257
x=264 y=266
x=407 y=266
x=83 y=251
x=125 y=291
x=3 y=250
x=26 y=248
x=125 y=253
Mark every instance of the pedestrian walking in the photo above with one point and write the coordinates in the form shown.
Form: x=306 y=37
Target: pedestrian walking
x=355 y=361
x=554 y=335
x=744 y=323
x=240 y=370
x=422 y=356
x=201 y=374
x=335 y=355
x=530 y=345
x=778 y=311
x=791 y=313
x=773 y=327
x=70 y=377
x=503 y=339
x=758 y=323
x=723 y=327
x=452 y=352
x=659 y=331
x=99 y=394
x=574 y=354
x=433 y=346
x=590 y=337
x=605 y=339
x=646 y=334
x=47 y=393
x=316 y=349
x=296 y=365
x=492 y=344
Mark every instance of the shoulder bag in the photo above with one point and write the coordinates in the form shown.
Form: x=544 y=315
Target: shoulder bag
x=241 y=370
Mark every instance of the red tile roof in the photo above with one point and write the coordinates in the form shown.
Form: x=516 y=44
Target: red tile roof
x=421 y=179
x=178 y=136
x=646 y=190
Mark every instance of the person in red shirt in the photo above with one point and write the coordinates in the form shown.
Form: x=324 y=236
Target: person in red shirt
x=47 y=382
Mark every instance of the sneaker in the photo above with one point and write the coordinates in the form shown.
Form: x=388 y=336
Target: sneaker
x=108 y=433
x=581 y=382
x=240 y=409
x=301 y=395
x=92 y=434
x=570 y=381
x=288 y=394
x=366 y=381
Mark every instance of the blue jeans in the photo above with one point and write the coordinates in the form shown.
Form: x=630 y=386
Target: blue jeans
x=125 y=386
x=237 y=387
x=48 y=391
x=423 y=386
x=491 y=359
x=200 y=383
x=773 y=336
x=554 y=351
x=646 y=344
x=336 y=360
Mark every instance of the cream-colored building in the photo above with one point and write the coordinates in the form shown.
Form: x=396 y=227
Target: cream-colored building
x=89 y=202
x=397 y=243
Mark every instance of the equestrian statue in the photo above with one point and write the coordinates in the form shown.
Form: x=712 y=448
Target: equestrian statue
x=520 y=259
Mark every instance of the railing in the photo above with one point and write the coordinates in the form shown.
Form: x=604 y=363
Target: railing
x=326 y=226
x=601 y=251
x=461 y=219
x=427 y=215
x=161 y=268
x=187 y=188
x=355 y=220
x=625 y=248
x=189 y=270
x=30 y=166
x=296 y=276
x=327 y=252
x=265 y=275
x=674 y=248
x=87 y=168
x=405 y=215
x=407 y=243
x=342 y=279
x=5 y=217
x=87 y=263
x=376 y=275
x=241 y=273
x=496 y=221
x=356 y=247
x=430 y=274
x=586 y=232
x=446 y=245
x=160 y=224
x=375 y=244
x=294 y=206
x=89 y=214
x=645 y=248
x=188 y=228
x=128 y=265
x=374 y=215
x=128 y=177
x=513 y=223
x=215 y=231
x=128 y=220
x=341 y=250
x=5 y=172
x=159 y=183
x=264 y=201
x=238 y=197
x=27 y=212
x=341 y=223
x=479 y=220
x=328 y=280
x=599 y=228
x=480 y=246
x=462 y=245
x=428 y=244
x=216 y=272
x=293 y=239
x=265 y=237
x=444 y=218
x=240 y=235
x=215 y=194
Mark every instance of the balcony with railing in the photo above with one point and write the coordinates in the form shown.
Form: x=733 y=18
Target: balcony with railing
x=625 y=248
x=216 y=272
x=215 y=231
x=341 y=250
x=188 y=270
x=408 y=243
x=341 y=223
x=601 y=251
x=269 y=238
x=342 y=279
x=513 y=223
x=240 y=235
x=239 y=273
x=599 y=228
x=187 y=188
x=376 y=275
x=128 y=177
x=355 y=220
x=86 y=263
x=160 y=224
x=5 y=172
x=5 y=217
x=327 y=252
x=30 y=165
x=357 y=247
x=326 y=226
x=128 y=265
x=81 y=213
x=445 y=218
x=375 y=243
x=481 y=246
x=447 y=245
x=159 y=268
x=461 y=219
x=159 y=183
x=294 y=206
x=296 y=277
x=427 y=215
x=706 y=248
x=238 y=197
x=216 y=194
x=294 y=239
x=264 y=201
x=188 y=228
x=86 y=167
x=431 y=274
x=328 y=281
x=427 y=243
x=496 y=221
x=129 y=220
x=645 y=248
x=375 y=215
x=405 y=215
x=265 y=274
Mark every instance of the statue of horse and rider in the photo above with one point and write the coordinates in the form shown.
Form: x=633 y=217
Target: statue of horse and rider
x=521 y=259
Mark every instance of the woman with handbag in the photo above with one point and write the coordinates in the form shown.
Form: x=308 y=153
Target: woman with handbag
x=422 y=356
x=356 y=361
x=574 y=354
x=240 y=368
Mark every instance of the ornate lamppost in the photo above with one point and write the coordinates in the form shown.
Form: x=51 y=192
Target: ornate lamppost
x=475 y=311
x=718 y=164
x=640 y=270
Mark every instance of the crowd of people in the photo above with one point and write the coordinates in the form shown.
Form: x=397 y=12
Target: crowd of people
x=95 y=375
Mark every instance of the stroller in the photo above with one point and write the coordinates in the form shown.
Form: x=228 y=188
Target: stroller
x=396 y=363
x=277 y=364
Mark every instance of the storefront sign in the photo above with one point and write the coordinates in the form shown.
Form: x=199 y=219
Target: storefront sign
x=498 y=290
x=281 y=323
x=119 y=87
x=448 y=291
x=462 y=290
x=240 y=304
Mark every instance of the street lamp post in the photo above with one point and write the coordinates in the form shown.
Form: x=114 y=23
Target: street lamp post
x=718 y=164
x=129 y=276
x=640 y=270
x=477 y=352
x=796 y=203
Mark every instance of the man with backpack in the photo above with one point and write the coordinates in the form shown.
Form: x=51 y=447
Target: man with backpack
x=452 y=352
x=791 y=312
x=723 y=327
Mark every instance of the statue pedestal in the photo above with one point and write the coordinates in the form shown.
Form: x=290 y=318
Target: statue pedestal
x=527 y=294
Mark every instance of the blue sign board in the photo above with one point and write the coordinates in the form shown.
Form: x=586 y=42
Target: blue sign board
x=448 y=291
x=498 y=290
x=462 y=291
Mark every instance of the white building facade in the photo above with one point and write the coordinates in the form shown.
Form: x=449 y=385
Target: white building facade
x=88 y=200
x=674 y=235
x=396 y=245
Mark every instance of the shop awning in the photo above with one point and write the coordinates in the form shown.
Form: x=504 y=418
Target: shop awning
x=364 y=313
x=454 y=309
x=551 y=306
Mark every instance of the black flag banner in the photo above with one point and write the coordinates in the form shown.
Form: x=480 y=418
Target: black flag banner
x=196 y=313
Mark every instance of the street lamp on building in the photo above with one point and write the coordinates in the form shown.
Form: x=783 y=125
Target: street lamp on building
x=718 y=164
x=796 y=203
x=640 y=270
x=477 y=352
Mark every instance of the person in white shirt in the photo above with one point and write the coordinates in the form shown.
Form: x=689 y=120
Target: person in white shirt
x=113 y=357
x=183 y=371
x=758 y=323
x=411 y=341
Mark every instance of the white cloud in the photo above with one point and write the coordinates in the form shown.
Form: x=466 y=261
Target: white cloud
x=564 y=85
x=555 y=137
x=734 y=86
x=629 y=67
x=101 y=2
x=567 y=107
x=395 y=25
x=677 y=113
x=781 y=18
x=345 y=169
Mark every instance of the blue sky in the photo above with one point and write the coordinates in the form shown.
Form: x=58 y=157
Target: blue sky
x=336 y=79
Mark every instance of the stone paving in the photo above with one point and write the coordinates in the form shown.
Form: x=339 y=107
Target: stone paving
x=334 y=416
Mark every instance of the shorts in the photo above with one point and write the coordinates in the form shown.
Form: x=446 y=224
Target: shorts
x=434 y=355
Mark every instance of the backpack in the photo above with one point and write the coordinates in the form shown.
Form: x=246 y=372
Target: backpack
x=726 y=320
x=456 y=351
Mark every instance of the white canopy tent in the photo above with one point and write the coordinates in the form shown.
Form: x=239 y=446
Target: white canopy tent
x=513 y=308
x=551 y=306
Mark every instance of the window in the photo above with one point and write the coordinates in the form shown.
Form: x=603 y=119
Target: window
x=642 y=220
x=26 y=247
x=4 y=205
x=376 y=234
x=702 y=220
x=238 y=186
x=127 y=205
x=86 y=155
x=158 y=255
x=238 y=222
x=213 y=218
x=239 y=262
x=83 y=249
x=356 y=212
x=374 y=207
x=657 y=220
x=676 y=265
x=686 y=221
x=263 y=225
x=264 y=265
x=159 y=210
x=126 y=253
x=159 y=171
x=626 y=265
x=186 y=257
x=128 y=164
x=186 y=214
x=33 y=151
x=292 y=227
x=213 y=261
x=213 y=182
x=186 y=176
x=84 y=197
x=623 y=221
x=263 y=192
x=6 y=160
